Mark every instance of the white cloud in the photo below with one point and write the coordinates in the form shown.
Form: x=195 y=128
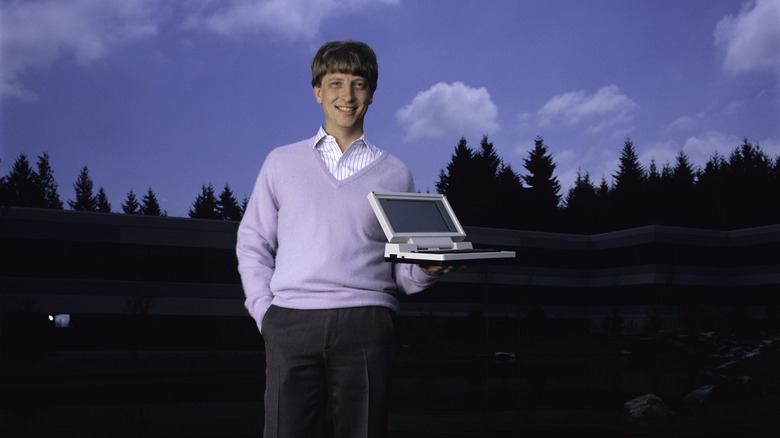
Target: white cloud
x=751 y=40
x=447 y=110
x=682 y=123
x=606 y=110
x=700 y=149
x=35 y=34
x=291 y=19
x=662 y=153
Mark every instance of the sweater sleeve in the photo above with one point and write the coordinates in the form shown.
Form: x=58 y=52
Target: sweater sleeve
x=256 y=246
x=411 y=279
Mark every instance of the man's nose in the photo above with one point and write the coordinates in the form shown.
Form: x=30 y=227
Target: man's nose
x=347 y=93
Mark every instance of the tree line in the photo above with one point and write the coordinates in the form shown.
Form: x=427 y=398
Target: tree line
x=738 y=191
x=729 y=192
x=25 y=186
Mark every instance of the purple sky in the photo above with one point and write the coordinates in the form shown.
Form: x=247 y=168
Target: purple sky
x=178 y=94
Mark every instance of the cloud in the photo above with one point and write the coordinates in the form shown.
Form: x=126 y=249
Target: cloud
x=445 y=110
x=751 y=39
x=606 y=110
x=662 y=153
x=685 y=123
x=35 y=34
x=700 y=149
x=291 y=19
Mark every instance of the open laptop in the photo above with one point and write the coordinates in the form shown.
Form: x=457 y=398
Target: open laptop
x=422 y=228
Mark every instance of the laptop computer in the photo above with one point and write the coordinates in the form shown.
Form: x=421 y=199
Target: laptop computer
x=423 y=229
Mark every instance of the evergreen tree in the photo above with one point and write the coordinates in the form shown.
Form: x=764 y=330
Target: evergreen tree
x=227 y=206
x=21 y=185
x=683 y=173
x=631 y=176
x=629 y=200
x=653 y=175
x=683 y=204
x=711 y=187
x=131 y=206
x=205 y=205
x=543 y=193
x=149 y=205
x=486 y=210
x=244 y=203
x=580 y=205
x=472 y=183
x=509 y=199
x=4 y=197
x=85 y=200
x=46 y=183
x=453 y=182
x=749 y=171
x=101 y=200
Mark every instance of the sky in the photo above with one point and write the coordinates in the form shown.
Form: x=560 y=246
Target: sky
x=173 y=95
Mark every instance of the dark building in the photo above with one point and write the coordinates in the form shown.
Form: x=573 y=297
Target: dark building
x=138 y=282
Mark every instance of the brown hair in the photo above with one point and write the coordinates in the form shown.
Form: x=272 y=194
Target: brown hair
x=351 y=57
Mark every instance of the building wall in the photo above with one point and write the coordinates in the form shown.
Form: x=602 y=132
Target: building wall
x=67 y=262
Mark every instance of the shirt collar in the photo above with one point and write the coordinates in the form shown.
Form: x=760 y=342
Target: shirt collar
x=360 y=142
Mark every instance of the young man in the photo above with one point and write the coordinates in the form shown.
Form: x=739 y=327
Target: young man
x=310 y=253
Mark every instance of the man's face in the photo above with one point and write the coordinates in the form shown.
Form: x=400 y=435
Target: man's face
x=345 y=99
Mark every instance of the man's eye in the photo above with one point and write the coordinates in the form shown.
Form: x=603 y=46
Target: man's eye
x=335 y=84
x=360 y=85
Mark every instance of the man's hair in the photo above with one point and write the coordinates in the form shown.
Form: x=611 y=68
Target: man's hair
x=352 y=57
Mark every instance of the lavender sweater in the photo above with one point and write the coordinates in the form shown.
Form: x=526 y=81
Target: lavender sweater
x=309 y=241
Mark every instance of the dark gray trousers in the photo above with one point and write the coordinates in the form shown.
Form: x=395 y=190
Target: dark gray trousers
x=344 y=356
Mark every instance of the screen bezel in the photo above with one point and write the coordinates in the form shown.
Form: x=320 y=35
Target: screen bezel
x=398 y=236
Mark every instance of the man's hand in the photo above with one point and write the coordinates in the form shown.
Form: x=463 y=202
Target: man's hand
x=436 y=271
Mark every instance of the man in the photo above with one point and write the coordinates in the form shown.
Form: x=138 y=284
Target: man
x=310 y=253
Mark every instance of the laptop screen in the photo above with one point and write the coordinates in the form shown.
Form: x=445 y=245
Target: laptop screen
x=415 y=215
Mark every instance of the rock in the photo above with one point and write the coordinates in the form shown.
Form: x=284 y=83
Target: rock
x=647 y=406
x=699 y=396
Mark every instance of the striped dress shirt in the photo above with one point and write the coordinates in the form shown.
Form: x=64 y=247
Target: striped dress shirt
x=360 y=154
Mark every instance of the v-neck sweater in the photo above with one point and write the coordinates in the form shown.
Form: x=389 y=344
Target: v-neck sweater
x=310 y=241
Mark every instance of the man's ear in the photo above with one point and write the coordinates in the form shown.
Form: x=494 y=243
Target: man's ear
x=318 y=94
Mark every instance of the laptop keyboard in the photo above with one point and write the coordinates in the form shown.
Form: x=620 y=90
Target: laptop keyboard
x=453 y=251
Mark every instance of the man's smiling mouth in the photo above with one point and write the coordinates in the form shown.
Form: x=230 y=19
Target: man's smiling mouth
x=346 y=109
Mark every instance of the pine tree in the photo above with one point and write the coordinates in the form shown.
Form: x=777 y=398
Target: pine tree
x=130 y=206
x=244 y=203
x=85 y=200
x=683 y=173
x=21 y=185
x=4 y=196
x=631 y=175
x=582 y=194
x=149 y=205
x=629 y=197
x=46 y=183
x=227 y=205
x=682 y=203
x=454 y=180
x=712 y=185
x=101 y=201
x=456 y=184
x=205 y=205
x=509 y=198
x=749 y=171
x=474 y=182
x=543 y=193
